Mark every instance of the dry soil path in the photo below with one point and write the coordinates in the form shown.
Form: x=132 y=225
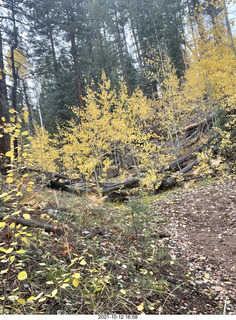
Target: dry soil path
x=202 y=227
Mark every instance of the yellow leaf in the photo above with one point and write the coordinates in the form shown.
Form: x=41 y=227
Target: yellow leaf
x=7 y=198
x=9 y=154
x=12 y=259
x=207 y=276
x=25 y=175
x=76 y=275
x=25 y=240
x=25 y=133
x=54 y=292
x=39 y=296
x=75 y=283
x=26 y=216
x=9 y=250
x=12 y=225
x=65 y=285
x=18 y=125
x=29 y=189
x=140 y=307
x=4 y=271
x=42 y=299
x=83 y=262
x=9 y=180
x=3 y=195
x=21 y=251
x=3 y=119
x=22 y=275
x=21 y=301
x=2 y=224
x=16 y=213
x=12 y=111
x=123 y=291
x=31 y=298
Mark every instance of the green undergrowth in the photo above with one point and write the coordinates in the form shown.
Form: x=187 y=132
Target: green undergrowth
x=117 y=270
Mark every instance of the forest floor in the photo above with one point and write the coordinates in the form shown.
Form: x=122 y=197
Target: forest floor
x=173 y=253
x=202 y=228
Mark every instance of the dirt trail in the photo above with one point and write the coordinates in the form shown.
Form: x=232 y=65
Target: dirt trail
x=202 y=225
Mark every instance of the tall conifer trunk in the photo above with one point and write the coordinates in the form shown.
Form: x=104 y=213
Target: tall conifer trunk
x=4 y=112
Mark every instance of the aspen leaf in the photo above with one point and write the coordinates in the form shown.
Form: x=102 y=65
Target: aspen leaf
x=25 y=240
x=29 y=189
x=18 y=125
x=207 y=276
x=7 y=198
x=26 y=216
x=4 y=271
x=31 y=298
x=75 y=283
x=25 y=133
x=140 y=307
x=12 y=259
x=9 y=154
x=12 y=111
x=76 y=275
x=39 y=296
x=9 y=180
x=3 y=195
x=123 y=291
x=9 y=250
x=16 y=213
x=2 y=224
x=12 y=225
x=54 y=292
x=83 y=262
x=25 y=175
x=65 y=285
x=3 y=119
x=21 y=251
x=22 y=275
x=42 y=299
x=21 y=301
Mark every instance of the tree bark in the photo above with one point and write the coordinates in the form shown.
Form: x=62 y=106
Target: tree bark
x=4 y=113
x=74 y=53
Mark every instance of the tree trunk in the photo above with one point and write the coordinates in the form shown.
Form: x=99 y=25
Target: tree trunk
x=229 y=28
x=29 y=108
x=121 y=55
x=4 y=112
x=74 y=53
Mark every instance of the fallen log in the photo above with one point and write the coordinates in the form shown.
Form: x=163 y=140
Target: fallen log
x=76 y=189
x=129 y=183
x=195 y=125
x=36 y=224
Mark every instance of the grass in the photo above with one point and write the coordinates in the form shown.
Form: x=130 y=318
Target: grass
x=118 y=269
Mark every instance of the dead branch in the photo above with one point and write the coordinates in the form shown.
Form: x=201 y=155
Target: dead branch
x=35 y=224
